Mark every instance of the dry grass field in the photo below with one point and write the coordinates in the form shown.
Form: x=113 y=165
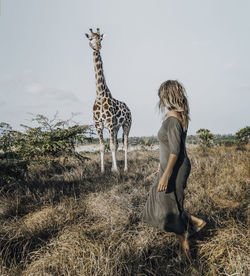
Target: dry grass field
x=73 y=220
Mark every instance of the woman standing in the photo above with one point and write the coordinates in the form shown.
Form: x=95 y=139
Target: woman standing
x=164 y=206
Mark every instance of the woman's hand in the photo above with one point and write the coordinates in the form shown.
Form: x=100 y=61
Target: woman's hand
x=163 y=184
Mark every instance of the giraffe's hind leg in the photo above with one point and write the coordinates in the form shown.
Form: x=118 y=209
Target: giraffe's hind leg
x=113 y=148
x=126 y=129
x=100 y=135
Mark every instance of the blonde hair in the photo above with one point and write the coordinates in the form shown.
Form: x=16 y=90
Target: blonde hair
x=173 y=97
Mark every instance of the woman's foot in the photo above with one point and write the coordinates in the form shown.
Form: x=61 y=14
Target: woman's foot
x=197 y=225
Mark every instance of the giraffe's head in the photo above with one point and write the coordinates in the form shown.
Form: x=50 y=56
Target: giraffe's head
x=95 y=39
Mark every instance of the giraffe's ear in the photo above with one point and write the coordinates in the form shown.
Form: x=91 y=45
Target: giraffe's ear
x=87 y=35
x=103 y=35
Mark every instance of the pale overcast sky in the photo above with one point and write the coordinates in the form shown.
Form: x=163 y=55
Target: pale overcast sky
x=46 y=61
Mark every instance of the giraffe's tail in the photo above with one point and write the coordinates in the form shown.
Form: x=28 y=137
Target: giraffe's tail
x=123 y=138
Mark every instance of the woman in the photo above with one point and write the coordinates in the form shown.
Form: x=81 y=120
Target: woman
x=164 y=206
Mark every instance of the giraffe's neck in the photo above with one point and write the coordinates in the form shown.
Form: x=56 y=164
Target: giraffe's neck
x=101 y=85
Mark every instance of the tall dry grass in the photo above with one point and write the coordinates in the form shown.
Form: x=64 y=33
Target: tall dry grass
x=82 y=222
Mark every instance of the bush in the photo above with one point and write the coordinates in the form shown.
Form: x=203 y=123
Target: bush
x=11 y=165
x=226 y=143
x=205 y=137
x=47 y=142
x=243 y=136
x=147 y=142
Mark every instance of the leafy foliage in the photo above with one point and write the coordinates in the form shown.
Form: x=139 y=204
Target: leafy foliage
x=42 y=144
x=226 y=142
x=205 y=137
x=11 y=165
x=144 y=140
x=243 y=136
x=147 y=142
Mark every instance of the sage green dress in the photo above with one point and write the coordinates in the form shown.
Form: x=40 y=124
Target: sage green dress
x=164 y=210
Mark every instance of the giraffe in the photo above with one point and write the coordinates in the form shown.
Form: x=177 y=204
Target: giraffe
x=108 y=112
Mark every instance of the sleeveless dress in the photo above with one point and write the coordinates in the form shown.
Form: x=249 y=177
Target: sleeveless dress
x=164 y=210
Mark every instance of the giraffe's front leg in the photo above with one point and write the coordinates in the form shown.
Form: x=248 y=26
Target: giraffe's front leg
x=100 y=135
x=113 y=149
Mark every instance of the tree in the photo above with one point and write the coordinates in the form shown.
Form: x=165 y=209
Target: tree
x=243 y=136
x=43 y=144
x=205 y=137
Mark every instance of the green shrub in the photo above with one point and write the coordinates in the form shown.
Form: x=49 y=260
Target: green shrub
x=227 y=143
x=205 y=137
x=243 y=136
x=147 y=142
x=42 y=144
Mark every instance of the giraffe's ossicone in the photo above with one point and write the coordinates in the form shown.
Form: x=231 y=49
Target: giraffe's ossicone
x=108 y=112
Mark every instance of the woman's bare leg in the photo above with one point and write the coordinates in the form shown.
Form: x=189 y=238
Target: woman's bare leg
x=184 y=246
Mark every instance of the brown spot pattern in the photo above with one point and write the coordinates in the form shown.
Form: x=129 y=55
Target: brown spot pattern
x=107 y=111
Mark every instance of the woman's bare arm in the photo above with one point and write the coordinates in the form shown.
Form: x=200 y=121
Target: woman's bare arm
x=163 y=183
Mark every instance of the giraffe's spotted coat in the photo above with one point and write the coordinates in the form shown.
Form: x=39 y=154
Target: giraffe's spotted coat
x=107 y=112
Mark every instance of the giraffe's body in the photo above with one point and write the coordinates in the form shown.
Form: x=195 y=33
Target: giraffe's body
x=108 y=112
